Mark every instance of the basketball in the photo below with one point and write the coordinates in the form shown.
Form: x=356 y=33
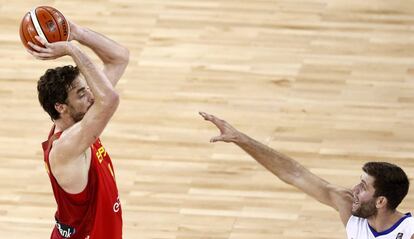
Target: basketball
x=45 y=22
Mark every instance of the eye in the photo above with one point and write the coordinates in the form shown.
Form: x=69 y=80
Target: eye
x=361 y=185
x=82 y=93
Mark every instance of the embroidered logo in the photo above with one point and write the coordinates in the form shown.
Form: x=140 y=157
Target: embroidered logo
x=399 y=235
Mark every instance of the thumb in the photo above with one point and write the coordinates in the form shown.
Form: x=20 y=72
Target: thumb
x=217 y=138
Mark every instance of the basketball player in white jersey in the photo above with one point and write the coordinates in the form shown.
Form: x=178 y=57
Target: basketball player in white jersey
x=368 y=211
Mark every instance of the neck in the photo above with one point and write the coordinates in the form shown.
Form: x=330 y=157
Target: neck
x=63 y=123
x=383 y=220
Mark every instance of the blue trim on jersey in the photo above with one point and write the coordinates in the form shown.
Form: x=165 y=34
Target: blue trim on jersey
x=377 y=234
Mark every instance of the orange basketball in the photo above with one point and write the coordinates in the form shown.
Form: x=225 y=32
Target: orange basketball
x=46 y=22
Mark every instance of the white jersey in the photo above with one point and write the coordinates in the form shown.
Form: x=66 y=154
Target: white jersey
x=358 y=228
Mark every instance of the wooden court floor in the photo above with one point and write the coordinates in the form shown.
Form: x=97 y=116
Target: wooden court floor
x=328 y=82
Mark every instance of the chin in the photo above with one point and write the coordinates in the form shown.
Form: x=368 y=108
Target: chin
x=78 y=117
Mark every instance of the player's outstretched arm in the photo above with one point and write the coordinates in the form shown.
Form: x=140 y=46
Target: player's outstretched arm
x=287 y=169
x=114 y=56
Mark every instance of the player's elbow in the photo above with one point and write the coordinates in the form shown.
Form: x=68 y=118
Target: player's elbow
x=122 y=56
x=111 y=101
x=125 y=55
x=114 y=99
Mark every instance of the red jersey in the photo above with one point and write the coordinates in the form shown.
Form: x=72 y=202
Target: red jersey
x=94 y=213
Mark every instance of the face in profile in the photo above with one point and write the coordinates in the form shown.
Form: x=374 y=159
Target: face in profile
x=79 y=100
x=364 y=203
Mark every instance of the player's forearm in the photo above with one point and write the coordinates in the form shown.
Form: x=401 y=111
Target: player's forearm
x=109 y=51
x=279 y=164
x=287 y=169
x=99 y=84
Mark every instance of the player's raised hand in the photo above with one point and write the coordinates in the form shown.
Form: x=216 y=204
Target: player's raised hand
x=227 y=132
x=49 y=51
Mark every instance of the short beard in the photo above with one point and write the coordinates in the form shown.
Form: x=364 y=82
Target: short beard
x=76 y=116
x=366 y=209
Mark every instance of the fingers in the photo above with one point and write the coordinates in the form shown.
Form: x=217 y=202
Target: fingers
x=49 y=51
x=217 y=138
x=43 y=41
x=38 y=48
x=209 y=117
x=219 y=123
x=227 y=132
x=203 y=114
x=39 y=55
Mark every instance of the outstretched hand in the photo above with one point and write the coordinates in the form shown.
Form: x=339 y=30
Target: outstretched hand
x=49 y=51
x=227 y=132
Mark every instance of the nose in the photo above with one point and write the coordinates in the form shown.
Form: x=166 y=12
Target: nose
x=91 y=97
x=356 y=189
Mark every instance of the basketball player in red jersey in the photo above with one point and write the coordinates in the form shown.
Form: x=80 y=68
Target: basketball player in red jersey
x=80 y=101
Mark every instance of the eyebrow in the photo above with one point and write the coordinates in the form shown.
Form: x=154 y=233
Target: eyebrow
x=362 y=180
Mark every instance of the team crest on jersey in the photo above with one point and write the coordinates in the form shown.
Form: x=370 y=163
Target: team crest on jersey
x=100 y=153
x=399 y=235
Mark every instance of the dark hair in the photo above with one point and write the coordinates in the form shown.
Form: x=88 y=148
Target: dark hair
x=390 y=182
x=53 y=88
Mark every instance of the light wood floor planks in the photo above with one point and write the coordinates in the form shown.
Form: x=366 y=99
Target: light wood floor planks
x=330 y=83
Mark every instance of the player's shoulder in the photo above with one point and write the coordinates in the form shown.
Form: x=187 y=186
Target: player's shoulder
x=408 y=224
x=410 y=220
x=354 y=221
x=408 y=217
x=404 y=227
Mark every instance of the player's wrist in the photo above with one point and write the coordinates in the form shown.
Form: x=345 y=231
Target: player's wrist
x=70 y=49
x=83 y=35
x=240 y=138
x=75 y=32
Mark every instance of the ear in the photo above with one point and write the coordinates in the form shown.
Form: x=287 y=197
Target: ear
x=381 y=202
x=61 y=108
